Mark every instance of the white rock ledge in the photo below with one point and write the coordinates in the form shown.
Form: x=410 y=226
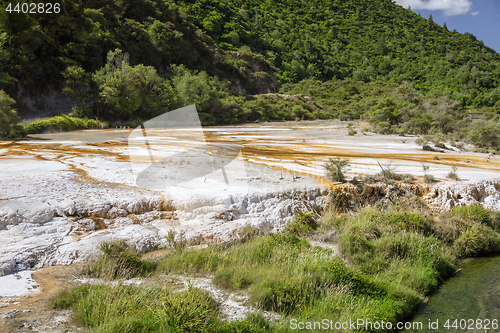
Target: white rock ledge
x=67 y=232
x=448 y=195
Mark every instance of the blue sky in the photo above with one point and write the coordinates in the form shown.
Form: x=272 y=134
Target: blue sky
x=478 y=17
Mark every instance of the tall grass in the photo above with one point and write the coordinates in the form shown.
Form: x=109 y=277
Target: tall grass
x=391 y=259
x=130 y=309
x=119 y=260
x=412 y=247
x=284 y=273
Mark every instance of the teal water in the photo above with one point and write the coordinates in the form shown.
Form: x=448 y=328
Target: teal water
x=473 y=294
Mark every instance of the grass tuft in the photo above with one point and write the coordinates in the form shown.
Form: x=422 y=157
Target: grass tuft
x=119 y=260
x=131 y=309
x=302 y=224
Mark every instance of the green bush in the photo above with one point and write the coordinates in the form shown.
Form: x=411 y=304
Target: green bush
x=126 y=92
x=61 y=123
x=302 y=224
x=477 y=240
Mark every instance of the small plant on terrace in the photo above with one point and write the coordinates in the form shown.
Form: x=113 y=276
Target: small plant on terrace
x=427 y=178
x=453 y=173
x=178 y=243
x=335 y=169
x=351 y=131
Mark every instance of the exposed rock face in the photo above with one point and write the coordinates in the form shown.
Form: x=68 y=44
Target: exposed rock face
x=449 y=195
x=54 y=229
x=64 y=232
x=44 y=104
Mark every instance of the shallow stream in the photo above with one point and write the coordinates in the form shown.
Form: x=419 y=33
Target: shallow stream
x=472 y=297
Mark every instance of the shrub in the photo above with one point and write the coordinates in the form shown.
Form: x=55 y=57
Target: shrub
x=129 y=92
x=341 y=201
x=335 y=169
x=351 y=131
x=61 y=123
x=388 y=174
x=441 y=145
x=429 y=179
x=453 y=173
x=302 y=223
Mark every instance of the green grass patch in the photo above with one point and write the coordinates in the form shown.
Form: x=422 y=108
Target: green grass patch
x=131 y=309
x=391 y=259
x=302 y=224
x=284 y=273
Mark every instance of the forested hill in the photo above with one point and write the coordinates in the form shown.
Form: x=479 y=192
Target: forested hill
x=365 y=40
x=131 y=59
x=40 y=50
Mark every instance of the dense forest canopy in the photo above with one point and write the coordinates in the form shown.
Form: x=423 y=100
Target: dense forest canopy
x=42 y=47
x=364 y=40
x=132 y=59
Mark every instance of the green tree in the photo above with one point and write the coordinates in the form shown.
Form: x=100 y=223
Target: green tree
x=4 y=77
x=208 y=94
x=166 y=39
x=77 y=82
x=8 y=115
x=126 y=92
x=385 y=112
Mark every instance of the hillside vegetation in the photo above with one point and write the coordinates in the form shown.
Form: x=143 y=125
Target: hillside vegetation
x=365 y=40
x=127 y=61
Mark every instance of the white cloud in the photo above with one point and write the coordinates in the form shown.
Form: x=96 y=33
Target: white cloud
x=449 y=7
x=474 y=13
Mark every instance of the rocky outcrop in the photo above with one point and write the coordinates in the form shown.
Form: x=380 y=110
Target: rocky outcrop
x=449 y=195
x=67 y=232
